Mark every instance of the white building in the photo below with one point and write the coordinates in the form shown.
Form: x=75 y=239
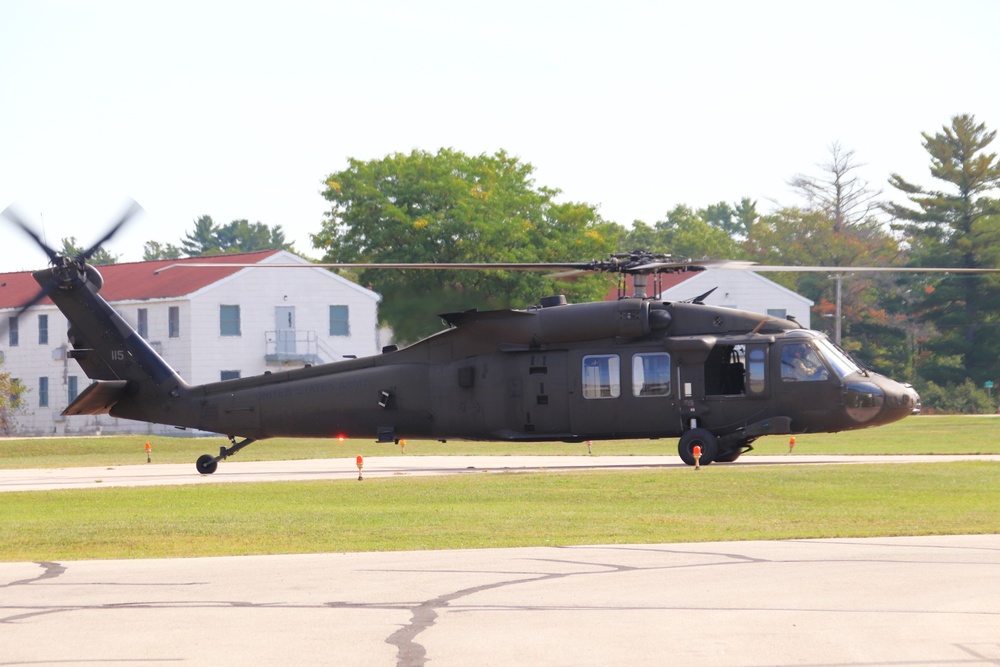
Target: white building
x=741 y=289
x=209 y=324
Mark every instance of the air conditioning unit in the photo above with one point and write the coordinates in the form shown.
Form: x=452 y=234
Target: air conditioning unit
x=59 y=354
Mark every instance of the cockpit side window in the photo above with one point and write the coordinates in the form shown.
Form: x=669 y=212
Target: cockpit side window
x=842 y=364
x=801 y=363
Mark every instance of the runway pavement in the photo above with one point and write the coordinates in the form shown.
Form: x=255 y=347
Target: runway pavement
x=888 y=601
x=232 y=471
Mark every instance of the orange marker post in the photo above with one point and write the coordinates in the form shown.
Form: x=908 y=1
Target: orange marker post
x=402 y=445
x=589 y=443
x=791 y=444
x=696 y=450
x=361 y=462
x=149 y=453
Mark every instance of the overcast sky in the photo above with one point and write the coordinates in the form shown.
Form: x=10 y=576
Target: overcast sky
x=241 y=109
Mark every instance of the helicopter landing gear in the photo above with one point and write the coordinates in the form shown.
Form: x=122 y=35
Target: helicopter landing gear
x=207 y=464
x=703 y=438
x=730 y=455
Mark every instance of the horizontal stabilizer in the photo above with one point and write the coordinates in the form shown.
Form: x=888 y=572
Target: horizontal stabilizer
x=98 y=398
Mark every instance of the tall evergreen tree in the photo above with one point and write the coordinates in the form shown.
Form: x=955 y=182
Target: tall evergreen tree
x=956 y=226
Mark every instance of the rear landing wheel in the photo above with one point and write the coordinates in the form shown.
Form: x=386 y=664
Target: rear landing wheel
x=206 y=464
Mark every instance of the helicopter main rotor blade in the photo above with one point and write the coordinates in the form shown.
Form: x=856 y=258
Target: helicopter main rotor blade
x=130 y=212
x=11 y=214
x=866 y=269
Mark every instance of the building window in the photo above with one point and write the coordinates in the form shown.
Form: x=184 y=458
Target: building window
x=651 y=374
x=230 y=375
x=174 y=322
x=43 y=329
x=12 y=331
x=229 y=320
x=43 y=392
x=142 y=322
x=339 y=323
x=777 y=312
x=602 y=376
x=72 y=388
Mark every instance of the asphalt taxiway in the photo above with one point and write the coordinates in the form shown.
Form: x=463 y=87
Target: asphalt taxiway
x=887 y=601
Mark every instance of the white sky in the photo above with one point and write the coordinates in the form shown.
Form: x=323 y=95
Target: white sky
x=241 y=109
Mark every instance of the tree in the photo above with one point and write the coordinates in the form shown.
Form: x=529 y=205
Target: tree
x=11 y=393
x=101 y=257
x=202 y=240
x=153 y=250
x=452 y=207
x=207 y=238
x=838 y=227
x=688 y=234
x=956 y=226
x=839 y=192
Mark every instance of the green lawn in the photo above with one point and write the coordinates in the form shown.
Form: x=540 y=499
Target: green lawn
x=915 y=435
x=503 y=510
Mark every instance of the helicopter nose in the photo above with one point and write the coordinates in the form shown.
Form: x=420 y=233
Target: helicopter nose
x=901 y=400
x=879 y=400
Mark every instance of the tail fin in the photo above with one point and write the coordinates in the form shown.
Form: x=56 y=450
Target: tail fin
x=107 y=349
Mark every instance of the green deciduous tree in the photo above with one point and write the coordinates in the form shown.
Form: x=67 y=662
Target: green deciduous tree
x=11 y=393
x=956 y=225
x=452 y=207
x=153 y=250
x=686 y=233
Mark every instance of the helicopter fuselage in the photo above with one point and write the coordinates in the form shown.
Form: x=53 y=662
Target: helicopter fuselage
x=634 y=368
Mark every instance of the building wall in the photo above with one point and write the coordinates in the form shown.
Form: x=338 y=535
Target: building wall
x=744 y=290
x=200 y=353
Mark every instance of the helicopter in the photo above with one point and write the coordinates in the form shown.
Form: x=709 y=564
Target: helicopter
x=716 y=378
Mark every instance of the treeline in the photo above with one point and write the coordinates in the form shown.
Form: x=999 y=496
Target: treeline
x=939 y=331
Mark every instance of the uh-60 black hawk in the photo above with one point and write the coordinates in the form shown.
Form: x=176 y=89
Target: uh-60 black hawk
x=638 y=367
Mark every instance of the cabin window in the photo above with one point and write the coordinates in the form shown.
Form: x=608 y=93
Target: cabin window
x=142 y=320
x=756 y=366
x=12 y=333
x=229 y=320
x=340 y=324
x=43 y=329
x=651 y=374
x=229 y=375
x=43 y=392
x=602 y=376
x=72 y=388
x=174 y=322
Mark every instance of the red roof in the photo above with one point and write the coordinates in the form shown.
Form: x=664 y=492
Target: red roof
x=137 y=281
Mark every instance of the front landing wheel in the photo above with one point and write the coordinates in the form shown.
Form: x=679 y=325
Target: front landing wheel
x=703 y=438
x=206 y=464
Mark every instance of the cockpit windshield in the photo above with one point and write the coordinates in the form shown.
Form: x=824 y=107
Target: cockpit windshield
x=842 y=364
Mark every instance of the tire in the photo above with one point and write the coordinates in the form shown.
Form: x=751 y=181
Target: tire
x=698 y=436
x=206 y=464
x=733 y=454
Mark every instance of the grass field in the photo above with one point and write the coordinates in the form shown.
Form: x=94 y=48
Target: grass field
x=730 y=502
x=916 y=435
x=502 y=510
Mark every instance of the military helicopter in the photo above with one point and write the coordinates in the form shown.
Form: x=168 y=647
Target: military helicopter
x=716 y=378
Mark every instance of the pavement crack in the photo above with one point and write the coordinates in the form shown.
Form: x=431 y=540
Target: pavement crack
x=49 y=571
